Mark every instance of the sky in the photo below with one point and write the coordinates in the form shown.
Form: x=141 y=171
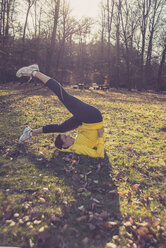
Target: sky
x=85 y=8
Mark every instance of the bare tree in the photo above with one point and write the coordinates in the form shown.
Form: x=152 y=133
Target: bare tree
x=64 y=25
x=129 y=23
x=103 y=27
x=30 y=4
x=117 y=25
x=161 y=65
x=5 y=19
x=51 y=48
x=110 y=5
x=84 y=27
x=154 y=21
x=144 y=7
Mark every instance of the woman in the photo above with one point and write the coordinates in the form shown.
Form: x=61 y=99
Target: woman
x=88 y=120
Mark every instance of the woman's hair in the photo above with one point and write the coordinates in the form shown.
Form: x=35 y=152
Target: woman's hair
x=58 y=142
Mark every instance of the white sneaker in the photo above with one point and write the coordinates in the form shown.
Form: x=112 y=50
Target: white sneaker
x=27 y=71
x=26 y=136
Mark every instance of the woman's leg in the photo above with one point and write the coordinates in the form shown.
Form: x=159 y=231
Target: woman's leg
x=42 y=77
x=81 y=110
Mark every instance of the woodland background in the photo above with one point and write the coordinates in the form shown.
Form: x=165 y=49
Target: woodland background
x=123 y=47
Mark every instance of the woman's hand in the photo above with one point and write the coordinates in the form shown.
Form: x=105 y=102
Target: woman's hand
x=100 y=132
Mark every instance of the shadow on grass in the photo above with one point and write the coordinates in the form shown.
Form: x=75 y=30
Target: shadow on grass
x=123 y=92
x=23 y=90
x=90 y=220
x=93 y=217
x=30 y=89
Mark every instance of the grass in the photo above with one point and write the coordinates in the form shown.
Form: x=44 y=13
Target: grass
x=55 y=199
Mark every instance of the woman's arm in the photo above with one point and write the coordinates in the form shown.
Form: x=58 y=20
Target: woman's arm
x=100 y=132
x=99 y=152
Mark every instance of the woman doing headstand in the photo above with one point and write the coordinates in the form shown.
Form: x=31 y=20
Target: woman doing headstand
x=88 y=120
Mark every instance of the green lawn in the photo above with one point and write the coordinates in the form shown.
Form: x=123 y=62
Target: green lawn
x=54 y=199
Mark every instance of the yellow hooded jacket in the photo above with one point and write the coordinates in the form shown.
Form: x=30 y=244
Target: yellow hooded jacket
x=88 y=139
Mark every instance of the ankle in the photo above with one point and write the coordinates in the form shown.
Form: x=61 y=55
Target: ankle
x=34 y=73
x=37 y=131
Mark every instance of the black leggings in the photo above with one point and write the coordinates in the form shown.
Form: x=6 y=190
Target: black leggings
x=82 y=112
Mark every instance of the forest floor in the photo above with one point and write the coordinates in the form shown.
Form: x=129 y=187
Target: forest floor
x=63 y=200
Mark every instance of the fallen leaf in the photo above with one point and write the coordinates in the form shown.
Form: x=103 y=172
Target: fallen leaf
x=43 y=235
x=80 y=190
x=37 y=222
x=55 y=219
x=81 y=208
x=75 y=177
x=26 y=218
x=28 y=223
x=85 y=241
x=95 y=200
x=143 y=224
x=31 y=244
x=41 y=199
x=12 y=223
x=92 y=227
x=64 y=228
x=135 y=187
x=104 y=214
x=156 y=221
x=127 y=223
x=45 y=190
x=142 y=231
x=82 y=218
x=41 y=229
x=16 y=215
x=87 y=193
x=131 y=220
x=8 y=208
x=110 y=245
x=21 y=221
x=112 y=223
x=98 y=236
x=163 y=199
x=59 y=191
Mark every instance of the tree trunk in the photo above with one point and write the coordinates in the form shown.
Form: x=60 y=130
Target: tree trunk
x=109 y=26
x=1 y=16
x=7 y=20
x=102 y=38
x=118 y=43
x=157 y=9
x=26 y=21
x=51 y=49
x=159 y=79
x=145 y=8
x=3 y=21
